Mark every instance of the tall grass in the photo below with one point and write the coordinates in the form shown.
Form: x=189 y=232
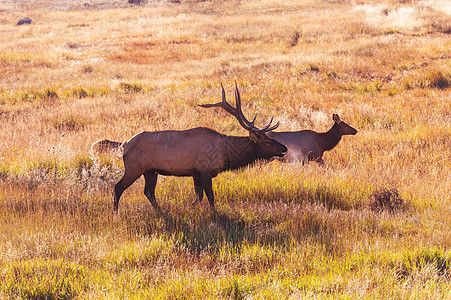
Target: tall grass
x=282 y=230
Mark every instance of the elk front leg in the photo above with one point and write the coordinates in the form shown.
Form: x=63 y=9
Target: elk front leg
x=199 y=190
x=149 y=189
x=207 y=186
x=121 y=186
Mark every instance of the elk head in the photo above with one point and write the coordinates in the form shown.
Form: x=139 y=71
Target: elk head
x=343 y=128
x=267 y=147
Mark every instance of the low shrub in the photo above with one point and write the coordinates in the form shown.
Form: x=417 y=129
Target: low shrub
x=387 y=200
x=436 y=79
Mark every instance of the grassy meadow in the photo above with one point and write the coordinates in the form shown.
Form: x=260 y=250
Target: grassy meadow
x=89 y=70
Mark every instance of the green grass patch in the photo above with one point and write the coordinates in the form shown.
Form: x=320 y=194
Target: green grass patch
x=44 y=279
x=50 y=93
x=150 y=251
x=409 y=263
x=130 y=88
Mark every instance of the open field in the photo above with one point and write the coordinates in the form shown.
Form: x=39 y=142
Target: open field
x=88 y=70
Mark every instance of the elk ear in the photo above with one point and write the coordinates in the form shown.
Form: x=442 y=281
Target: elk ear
x=336 y=118
x=253 y=136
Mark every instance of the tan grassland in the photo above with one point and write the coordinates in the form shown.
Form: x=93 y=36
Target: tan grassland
x=88 y=70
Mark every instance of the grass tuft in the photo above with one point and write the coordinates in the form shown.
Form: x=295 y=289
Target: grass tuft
x=81 y=92
x=238 y=290
x=70 y=123
x=131 y=88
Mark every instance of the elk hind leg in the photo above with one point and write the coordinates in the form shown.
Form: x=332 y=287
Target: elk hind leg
x=149 y=189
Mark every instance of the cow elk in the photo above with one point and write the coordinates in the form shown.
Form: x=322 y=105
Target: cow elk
x=308 y=145
x=201 y=153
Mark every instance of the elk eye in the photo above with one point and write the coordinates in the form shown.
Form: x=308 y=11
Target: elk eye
x=268 y=143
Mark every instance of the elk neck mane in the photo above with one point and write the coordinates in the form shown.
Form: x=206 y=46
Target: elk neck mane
x=240 y=152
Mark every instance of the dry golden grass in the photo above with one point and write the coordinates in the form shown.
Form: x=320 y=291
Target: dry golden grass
x=110 y=70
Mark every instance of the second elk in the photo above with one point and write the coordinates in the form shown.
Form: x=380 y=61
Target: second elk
x=201 y=153
x=308 y=145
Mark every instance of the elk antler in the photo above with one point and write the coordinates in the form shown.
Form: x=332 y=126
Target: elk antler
x=267 y=128
x=238 y=113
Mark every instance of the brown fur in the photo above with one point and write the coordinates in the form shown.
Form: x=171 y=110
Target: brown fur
x=103 y=147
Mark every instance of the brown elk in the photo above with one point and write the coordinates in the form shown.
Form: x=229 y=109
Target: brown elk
x=201 y=153
x=308 y=145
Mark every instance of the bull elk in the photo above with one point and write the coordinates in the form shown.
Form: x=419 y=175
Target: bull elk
x=201 y=153
x=308 y=145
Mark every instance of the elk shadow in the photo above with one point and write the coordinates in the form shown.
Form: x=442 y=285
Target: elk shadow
x=208 y=232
